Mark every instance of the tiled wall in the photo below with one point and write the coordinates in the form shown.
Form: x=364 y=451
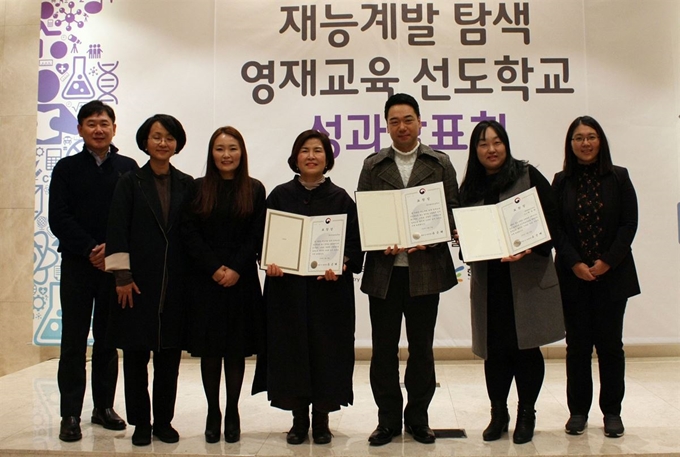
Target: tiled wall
x=19 y=41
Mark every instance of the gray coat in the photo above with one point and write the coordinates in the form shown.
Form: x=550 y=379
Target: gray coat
x=535 y=293
x=430 y=271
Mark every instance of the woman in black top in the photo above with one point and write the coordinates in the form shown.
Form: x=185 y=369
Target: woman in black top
x=223 y=234
x=310 y=332
x=515 y=300
x=599 y=216
x=144 y=251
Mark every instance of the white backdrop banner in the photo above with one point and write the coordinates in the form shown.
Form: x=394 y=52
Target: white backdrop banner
x=274 y=68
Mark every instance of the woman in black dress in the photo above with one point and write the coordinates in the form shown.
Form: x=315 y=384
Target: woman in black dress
x=599 y=217
x=223 y=234
x=310 y=330
x=144 y=251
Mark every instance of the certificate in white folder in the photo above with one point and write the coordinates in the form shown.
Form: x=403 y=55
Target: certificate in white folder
x=506 y=228
x=403 y=217
x=302 y=245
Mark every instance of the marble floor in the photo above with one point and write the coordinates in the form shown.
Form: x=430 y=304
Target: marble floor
x=29 y=418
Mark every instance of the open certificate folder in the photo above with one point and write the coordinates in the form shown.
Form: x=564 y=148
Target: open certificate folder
x=506 y=228
x=302 y=245
x=405 y=217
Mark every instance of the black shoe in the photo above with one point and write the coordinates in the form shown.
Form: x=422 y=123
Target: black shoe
x=526 y=422
x=107 y=418
x=576 y=424
x=499 y=422
x=321 y=434
x=69 y=430
x=383 y=435
x=299 y=432
x=213 y=422
x=142 y=435
x=613 y=426
x=232 y=428
x=421 y=433
x=165 y=433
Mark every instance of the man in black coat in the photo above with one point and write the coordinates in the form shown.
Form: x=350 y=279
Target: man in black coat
x=80 y=196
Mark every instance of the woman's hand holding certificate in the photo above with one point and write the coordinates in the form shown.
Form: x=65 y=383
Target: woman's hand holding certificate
x=301 y=245
x=503 y=230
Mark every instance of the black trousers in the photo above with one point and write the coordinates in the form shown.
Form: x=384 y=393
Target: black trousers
x=505 y=360
x=420 y=314
x=82 y=288
x=597 y=321
x=527 y=368
x=136 y=375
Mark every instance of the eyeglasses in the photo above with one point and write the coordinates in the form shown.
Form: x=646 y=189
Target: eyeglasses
x=160 y=139
x=581 y=139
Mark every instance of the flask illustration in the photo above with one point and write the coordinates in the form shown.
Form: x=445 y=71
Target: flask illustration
x=78 y=86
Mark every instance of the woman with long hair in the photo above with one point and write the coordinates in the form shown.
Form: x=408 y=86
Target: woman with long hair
x=223 y=234
x=515 y=300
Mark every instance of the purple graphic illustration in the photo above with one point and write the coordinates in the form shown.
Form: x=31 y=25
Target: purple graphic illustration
x=74 y=47
x=48 y=85
x=108 y=82
x=78 y=87
x=66 y=14
x=65 y=83
x=58 y=49
x=95 y=51
x=94 y=7
x=54 y=120
x=45 y=256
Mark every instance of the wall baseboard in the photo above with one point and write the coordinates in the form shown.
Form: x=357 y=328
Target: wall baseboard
x=549 y=352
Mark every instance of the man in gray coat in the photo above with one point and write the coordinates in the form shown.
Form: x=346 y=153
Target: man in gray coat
x=401 y=282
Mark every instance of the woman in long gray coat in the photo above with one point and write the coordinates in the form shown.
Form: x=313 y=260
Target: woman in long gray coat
x=516 y=304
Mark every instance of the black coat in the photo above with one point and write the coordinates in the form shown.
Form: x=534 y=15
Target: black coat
x=80 y=198
x=225 y=320
x=156 y=259
x=620 y=221
x=310 y=322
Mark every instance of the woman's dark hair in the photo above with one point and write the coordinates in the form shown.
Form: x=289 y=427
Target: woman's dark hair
x=473 y=187
x=302 y=139
x=170 y=123
x=604 y=157
x=206 y=197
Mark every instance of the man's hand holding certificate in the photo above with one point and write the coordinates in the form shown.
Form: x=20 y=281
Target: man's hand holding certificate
x=501 y=230
x=404 y=217
x=305 y=246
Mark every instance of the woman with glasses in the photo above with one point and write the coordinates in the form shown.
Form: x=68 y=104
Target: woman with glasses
x=515 y=300
x=145 y=254
x=599 y=217
x=310 y=331
x=223 y=235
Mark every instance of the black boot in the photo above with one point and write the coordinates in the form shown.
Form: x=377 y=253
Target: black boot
x=300 y=429
x=499 y=421
x=320 y=431
x=232 y=426
x=212 y=426
x=526 y=421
